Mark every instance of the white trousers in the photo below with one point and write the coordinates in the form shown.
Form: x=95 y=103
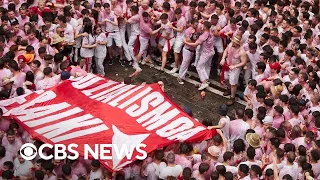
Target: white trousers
x=99 y=65
x=131 y=43
x=124 y=44
x=186 y=59
x=197 y=55
x=204 y=66
x=247 y=73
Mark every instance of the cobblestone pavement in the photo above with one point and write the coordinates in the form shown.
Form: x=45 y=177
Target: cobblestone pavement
x=205 y=110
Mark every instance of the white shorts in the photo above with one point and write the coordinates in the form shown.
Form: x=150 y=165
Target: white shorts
x=165 y=43
x=178 y=44
x=233 y=76
x=116 y=37
x=143 y=45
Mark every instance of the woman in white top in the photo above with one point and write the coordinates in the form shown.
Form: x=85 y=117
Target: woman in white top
x=88 y=46
x=101 y=49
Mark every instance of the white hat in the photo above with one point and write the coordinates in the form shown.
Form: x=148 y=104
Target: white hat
x=267 y=119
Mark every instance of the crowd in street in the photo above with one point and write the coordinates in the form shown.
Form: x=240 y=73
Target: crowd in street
x=273 y=46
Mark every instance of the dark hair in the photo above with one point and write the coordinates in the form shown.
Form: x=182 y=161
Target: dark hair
x=66 y=169
x=95 y=163
x=62 y=18
x=255 y=168
x=227 y=156
x=9 y=164
x=244 y=168
x=275 y=142
x=251 y=152
x=159 y=154
x=240 y=113
x=221 y=169
x=164 y=16
x=7 y=174
x=214 y=175
x=262 y=66
x=14 y=65
x=87 y=28
x=47 y=71
x=135 y=9
x=238 y=146
x=48 y=166
x=39 y=175
x=249 y=113
x=204 y=167
x=29 y=48
x=2 y=151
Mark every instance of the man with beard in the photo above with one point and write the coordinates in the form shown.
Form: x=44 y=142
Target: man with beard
x=233 y=59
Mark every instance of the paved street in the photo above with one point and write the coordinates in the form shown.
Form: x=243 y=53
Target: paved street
x=183 y=95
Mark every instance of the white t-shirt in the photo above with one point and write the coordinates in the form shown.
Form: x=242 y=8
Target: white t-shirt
x=48 y=83
x=96 y=175
x=174 y=171
x=22 y=169
x=152 y=170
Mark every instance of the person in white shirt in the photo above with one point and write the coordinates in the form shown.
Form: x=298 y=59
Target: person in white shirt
x=71 y=21
x=228 y=162
x=96 y=172
x=279 y=157
x=224 y=122
x=35 y=68
x=251 y=153
x=290 y=168
x=22 y=166
x=49 y=80
x=152 y=170
x=172 y=170
x=134 y=22
x=67 y=30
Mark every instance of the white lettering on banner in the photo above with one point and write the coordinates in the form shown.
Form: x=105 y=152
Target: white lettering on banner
x=135 y=98
x=107 y=97
x=36 y=112
x=80 y=133
x=98 y=96
x=184 y=135
x=174 y=127
x=46 y=96
x=154 y=99
x=20 y=100
x=86 y=81
x=65 y=126
x=53 y=132
x=54 y=117
x=115 y=102
x=156 y=116
x=89 y=92
x=8 y=102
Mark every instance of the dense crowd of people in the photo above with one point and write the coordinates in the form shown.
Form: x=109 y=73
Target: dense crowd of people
x=271 y=45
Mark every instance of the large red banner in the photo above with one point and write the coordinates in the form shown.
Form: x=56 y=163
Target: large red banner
x=94 y=110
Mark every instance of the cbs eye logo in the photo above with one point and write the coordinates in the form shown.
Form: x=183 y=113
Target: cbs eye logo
x=28 y=151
